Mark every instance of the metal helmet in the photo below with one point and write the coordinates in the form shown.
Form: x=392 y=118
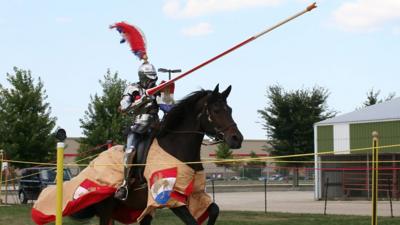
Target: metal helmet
x=147 y=72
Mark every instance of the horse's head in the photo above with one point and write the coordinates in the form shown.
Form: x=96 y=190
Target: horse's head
x=216 y=118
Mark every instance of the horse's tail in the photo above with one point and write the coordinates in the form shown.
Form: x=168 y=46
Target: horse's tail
x=84 y=214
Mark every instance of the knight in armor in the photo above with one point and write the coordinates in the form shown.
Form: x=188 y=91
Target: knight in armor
x=144 y=111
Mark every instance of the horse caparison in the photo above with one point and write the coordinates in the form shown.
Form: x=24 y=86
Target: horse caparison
x=181 y=133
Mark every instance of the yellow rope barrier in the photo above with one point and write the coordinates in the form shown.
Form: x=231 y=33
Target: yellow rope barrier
x=45 y=164
x=267 y=158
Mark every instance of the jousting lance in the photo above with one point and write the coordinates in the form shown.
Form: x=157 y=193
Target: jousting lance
x=154 y=90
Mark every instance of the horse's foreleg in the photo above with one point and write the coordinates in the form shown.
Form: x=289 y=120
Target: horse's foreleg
x=146 y=220
x=184 y=214
x=106 y=220
x=104 y=210
x=213 y=212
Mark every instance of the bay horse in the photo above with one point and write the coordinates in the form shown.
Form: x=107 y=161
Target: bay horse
x=181 y=134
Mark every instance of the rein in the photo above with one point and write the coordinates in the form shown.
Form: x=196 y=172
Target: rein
x=215 y=138
x=214 y=142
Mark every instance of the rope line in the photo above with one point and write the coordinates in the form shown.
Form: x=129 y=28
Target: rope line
x=222 y=161
x=267 y=158
x=51 y=164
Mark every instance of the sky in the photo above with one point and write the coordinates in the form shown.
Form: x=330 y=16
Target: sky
x=347 y=47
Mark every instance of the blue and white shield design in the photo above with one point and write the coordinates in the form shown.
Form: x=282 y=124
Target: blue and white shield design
x=161 y=189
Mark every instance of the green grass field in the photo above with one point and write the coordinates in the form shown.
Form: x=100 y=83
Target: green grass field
x=20 y=215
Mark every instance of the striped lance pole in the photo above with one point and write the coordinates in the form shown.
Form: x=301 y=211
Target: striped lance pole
x=152 y=91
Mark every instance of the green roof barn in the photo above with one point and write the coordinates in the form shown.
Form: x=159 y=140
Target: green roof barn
x=349 y=138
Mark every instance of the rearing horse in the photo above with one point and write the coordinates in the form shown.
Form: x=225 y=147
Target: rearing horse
x=203 y=112
x=182 y=132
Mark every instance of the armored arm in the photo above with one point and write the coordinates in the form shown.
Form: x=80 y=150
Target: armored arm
x=139 y=103
x=132 y=100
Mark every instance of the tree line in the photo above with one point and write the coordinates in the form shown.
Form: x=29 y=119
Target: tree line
x=27 y=125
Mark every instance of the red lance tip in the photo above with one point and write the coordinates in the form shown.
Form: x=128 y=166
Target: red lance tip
x=312 y=6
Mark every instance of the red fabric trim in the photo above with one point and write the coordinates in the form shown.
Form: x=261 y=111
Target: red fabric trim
x=189 y=188
x=179 y=197
x=97 y=195
x=202 y=218
x=170 y=172
x=88 y=199
x=39 y=218
x=87 y=184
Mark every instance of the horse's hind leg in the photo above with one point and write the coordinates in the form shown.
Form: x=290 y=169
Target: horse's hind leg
x=146 y=220
x=105 y=220
x=213 y=212
x=183 y=213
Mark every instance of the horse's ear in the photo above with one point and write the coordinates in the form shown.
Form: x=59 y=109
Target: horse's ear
x=225 y=93
x=216 y=90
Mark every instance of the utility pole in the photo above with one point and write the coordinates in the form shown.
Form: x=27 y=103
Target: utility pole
x=169 y=71
x=1 y=172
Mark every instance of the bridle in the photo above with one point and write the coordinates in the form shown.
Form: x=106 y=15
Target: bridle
x=218 y=131
x=216 y=138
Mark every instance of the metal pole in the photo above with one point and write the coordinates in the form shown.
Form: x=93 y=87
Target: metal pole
x=59 y=182
x=152 y=91
x=1 y=173
x=6 y=185
x=390 y=197
x=368 y=175
x=326 y=194
x=61 y=136
x=213 y=191
x=375 y=154
x=265 y=195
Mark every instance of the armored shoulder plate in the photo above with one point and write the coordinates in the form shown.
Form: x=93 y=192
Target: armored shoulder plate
x=132 y=88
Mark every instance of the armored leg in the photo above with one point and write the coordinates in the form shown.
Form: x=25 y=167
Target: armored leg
x=128 y=159
x=122 y=192
x=141 y=154
x=140 y=159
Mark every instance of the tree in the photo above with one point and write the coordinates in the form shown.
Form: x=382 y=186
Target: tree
x=289 y=120
x=102 y=120
x=255 y=162
x=25 y=122
x=255 y=167
x=372 y=97
x=224 y=152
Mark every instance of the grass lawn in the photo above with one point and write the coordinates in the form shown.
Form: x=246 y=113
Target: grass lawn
x=20 y=215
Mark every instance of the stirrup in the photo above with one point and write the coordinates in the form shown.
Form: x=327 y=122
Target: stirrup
x=122 y=196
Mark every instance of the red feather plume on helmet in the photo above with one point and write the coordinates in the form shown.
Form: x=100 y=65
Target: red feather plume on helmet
x=135 y=38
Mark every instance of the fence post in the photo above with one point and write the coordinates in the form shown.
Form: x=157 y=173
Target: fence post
x=1 y=173
x=390 y=196
x=6 y=173
x=61 y=136
x=375 y=159
x=213 y=192
x=265 y=195
x=326 y=194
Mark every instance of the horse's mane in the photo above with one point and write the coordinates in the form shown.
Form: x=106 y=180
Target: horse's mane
x=184 y=107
